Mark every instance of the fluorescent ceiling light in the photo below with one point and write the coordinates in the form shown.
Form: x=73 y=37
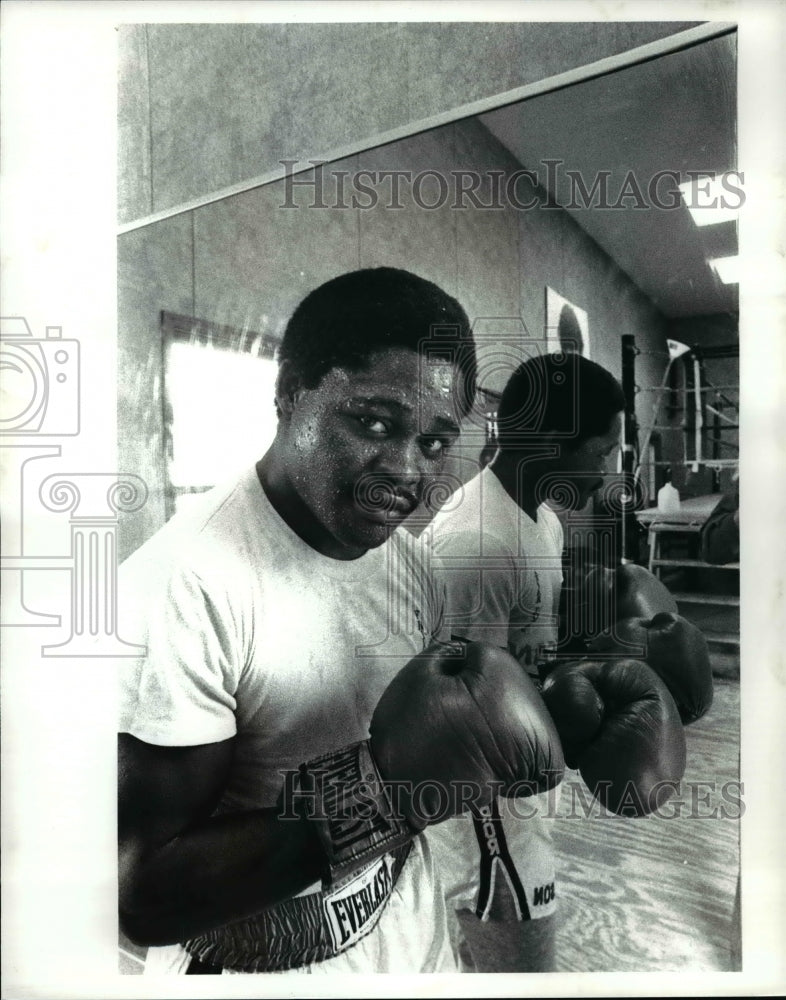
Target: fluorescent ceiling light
x=727 y=269
x=710 y=201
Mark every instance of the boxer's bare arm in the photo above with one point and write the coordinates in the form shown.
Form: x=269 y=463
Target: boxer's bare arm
x=183 y=872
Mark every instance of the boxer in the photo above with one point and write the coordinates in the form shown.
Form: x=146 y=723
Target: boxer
x=274 y=614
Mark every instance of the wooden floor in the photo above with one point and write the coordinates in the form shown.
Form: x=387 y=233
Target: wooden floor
x=656 y=894
x=652 y=894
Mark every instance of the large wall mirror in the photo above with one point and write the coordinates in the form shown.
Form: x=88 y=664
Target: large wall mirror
x=609 y=199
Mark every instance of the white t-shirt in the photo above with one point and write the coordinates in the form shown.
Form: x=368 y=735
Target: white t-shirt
x=250 y=633
x=502 y=570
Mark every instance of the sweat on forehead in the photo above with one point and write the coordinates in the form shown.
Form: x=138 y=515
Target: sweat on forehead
x=384 y=369
x=397 y=379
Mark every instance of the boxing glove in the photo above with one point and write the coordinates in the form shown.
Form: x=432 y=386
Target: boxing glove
x=459 y=715
x=458 y=725
x=586 y=605
x=640 y=594
x=599 y=596
x=620 y=727
x=674 y=648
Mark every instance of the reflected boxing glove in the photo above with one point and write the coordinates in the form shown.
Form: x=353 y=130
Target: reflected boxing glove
x=597 y=597
x=586 y=604
x=674 y=648
x=620 y=727
x=463 y=715
x=640 y=594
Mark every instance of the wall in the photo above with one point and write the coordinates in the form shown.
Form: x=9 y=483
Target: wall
x=246 y=261
x=202 y=107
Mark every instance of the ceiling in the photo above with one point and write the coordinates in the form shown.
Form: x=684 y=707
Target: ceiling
x=672 y=113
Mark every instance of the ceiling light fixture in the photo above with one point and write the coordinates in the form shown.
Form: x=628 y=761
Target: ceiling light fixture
x=711 y=200
x=727 y=269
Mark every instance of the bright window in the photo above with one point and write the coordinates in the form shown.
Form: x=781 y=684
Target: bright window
x=219 y=411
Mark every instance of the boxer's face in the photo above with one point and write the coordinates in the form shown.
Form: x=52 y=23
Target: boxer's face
x=583 y=467
x=362 y=446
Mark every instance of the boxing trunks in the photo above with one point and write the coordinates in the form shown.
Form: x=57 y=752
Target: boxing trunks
x=307 y=928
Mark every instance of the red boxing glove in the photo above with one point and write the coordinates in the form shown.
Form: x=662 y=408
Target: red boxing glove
x=674 y=648
x=620 y=727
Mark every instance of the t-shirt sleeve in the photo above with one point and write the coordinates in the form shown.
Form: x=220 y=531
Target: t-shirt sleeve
x=182 y=691
x=479 y=576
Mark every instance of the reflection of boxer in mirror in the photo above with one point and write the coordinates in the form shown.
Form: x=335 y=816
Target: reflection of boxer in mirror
x=559 y=421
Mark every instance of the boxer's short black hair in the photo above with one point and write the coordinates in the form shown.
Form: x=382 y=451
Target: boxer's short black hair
x=563 y=393
x=347 y=319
